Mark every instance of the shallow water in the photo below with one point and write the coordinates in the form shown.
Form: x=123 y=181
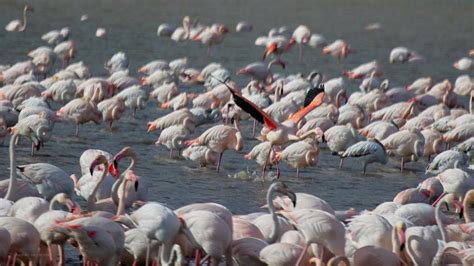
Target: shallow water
x=441 y=31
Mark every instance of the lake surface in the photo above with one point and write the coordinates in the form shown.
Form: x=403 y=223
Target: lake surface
x=441 y=31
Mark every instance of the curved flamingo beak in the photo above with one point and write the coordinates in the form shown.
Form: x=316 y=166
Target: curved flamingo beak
x=151 y=127
x=269 y=50
x=113 y=169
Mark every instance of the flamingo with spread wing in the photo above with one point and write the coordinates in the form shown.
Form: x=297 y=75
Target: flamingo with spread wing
x=276 y=133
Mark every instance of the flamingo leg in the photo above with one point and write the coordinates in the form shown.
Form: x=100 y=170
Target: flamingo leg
x=134 y=263
x=402 y=165
x=300 y=259
x=50 y=255
x=197 y=259
x=219 y=163
x=341 y=163
x=276 y=163
x=14 y=258
x=147 y=252
x=208 y=51
x=77 y=130
x=134 y=113
x=253 y=127
x=297 y=172
x=9 y=259
x=266 y=163
x=365 y=166
x=33 y=149
x=62 y=257
x=171 y=153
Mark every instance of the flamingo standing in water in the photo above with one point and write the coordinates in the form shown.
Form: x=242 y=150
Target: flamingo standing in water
x=302 y=34
x=368 y=151
x=220 y=138
x=211 y=36
x=18 y=25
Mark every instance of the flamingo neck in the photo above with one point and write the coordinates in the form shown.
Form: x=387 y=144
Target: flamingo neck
x=123 y=194
x=395 y=241
x=276 y=224
x=442 y=229
x=25 y=21
x=53 y=201
x=466 y=207
x=12 y=185
x=119 y=181
x=336 y=261
x=92 y=197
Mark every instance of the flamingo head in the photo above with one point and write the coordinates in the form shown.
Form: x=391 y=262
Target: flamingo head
x=100 y=159
x=282 y=188
x=29 y=8
x=125 y=152
x=271 y=48
x=151 y=127
x=223 y=29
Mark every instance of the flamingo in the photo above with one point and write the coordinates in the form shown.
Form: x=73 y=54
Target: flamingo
x=279 y=134
x=135 y=97
x=211 y=36
x=56 y=36
x=259 y=153
x=5 y=245
x=17 y=25
x=25 y=239
x=301 y=35
x=49 y=179
x=37 y=133
x=244 y=26
x=117 y=62
x=62 y=91
x=446 y=160
x=133 y=193
x=366 y=69
x=65 y=50
x=220 y=138
x=299 y=154
x=80 y=111
x=321 y=228
x=403 y=55
x=95 y=243
x=165 y=30
x=278 y=45
x=158 y=223
x=368 y=151
x=173 y=137
x=464 y=64
x=283 y=254
x=372 y=255
x=201 y=154
x=181 y=116
x=259 y=71
x=407 y=144
x=111 y=109
x=338 y=49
